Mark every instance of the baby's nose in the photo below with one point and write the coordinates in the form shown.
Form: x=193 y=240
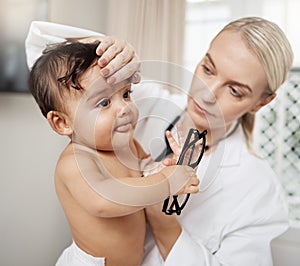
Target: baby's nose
x=123 y=109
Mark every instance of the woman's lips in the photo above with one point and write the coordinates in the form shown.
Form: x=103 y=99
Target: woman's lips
x=200 y=110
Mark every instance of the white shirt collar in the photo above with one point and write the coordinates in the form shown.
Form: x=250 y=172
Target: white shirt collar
x=227 y=153
x=232 y=148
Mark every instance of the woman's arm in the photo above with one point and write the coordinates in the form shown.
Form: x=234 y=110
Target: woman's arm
x=165 y=229
x=238 y=233
x=245 y=245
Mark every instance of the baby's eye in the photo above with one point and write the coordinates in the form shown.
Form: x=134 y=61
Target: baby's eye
x=126 y=95
x=103 y=103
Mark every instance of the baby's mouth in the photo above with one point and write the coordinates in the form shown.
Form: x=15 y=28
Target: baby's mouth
x=124 y=128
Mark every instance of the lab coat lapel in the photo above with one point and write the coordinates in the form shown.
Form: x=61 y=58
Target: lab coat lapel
x=226 y=154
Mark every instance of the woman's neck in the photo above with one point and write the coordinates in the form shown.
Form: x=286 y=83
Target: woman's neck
x=214 y=136
x=221 y=134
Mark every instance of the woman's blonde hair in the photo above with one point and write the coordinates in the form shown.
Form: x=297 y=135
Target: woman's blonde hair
x=265 y=39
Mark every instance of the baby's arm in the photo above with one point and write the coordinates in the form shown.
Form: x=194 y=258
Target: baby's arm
x=105 y=196
x=176 y=145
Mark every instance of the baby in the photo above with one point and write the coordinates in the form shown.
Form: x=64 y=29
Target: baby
x=99 y=176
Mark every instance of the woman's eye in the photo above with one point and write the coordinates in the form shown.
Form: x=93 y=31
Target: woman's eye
x=206 y=70
x=103 y=103
x=235 y=92
x=126 y=95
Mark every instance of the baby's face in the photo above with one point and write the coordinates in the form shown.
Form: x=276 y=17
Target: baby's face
x=104 y=117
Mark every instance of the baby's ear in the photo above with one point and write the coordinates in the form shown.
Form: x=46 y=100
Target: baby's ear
x=60 y=123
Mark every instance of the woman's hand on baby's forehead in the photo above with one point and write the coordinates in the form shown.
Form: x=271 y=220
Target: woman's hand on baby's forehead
x=118 y=60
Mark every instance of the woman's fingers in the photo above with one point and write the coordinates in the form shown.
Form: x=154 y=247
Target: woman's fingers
x=128 y=71
x=107 y=42
x=118 y=60
x=135 y=78
x=107 y=56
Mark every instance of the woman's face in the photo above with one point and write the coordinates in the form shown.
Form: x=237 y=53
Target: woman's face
x=229 y=82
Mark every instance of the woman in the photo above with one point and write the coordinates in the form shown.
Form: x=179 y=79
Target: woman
x=240 y=207
x=234 y=220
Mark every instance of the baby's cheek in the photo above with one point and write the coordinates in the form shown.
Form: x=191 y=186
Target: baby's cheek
x=135 y=112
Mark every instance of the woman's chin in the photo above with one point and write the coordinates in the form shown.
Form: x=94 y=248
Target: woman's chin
x=199 y=119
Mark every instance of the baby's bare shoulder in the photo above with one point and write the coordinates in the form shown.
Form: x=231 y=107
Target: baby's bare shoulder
x=73 y=159
x=66 y=158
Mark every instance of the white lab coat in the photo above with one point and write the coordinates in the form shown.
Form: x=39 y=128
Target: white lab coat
x=240 y=207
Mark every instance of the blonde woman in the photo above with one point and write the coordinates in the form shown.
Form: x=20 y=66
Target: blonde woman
x=233 y=221
x=241 y=206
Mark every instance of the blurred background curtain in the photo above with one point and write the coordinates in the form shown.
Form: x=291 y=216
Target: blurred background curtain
x=154 y=27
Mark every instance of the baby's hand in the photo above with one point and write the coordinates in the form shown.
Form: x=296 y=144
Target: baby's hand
x=188 y=156
x=191 y=187
x=182 y=179
x=176 y=146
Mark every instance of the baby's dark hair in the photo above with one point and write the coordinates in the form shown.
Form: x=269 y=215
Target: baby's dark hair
x=57 y=72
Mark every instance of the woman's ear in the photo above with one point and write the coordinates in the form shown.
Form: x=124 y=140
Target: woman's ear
x=262 y=103
x=60 y=123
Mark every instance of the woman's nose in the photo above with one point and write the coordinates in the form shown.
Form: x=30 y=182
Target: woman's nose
x=210 y=94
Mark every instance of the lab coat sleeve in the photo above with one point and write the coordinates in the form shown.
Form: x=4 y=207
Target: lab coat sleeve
x=245 y=238
x=187 y=251
x=42 y=33
x=247 y=247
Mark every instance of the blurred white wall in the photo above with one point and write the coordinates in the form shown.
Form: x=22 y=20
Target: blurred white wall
x=33 y=229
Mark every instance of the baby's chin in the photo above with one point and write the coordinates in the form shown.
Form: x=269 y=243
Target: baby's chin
x=122 y=139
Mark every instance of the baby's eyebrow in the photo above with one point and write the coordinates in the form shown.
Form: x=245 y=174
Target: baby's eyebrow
x=98 y=92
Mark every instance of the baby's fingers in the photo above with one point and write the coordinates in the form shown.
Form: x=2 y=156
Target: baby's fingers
x=194 y=181
x=179 y=129
x=169 y=161
x=192 y=190
x=192 y=185
x=173 y=144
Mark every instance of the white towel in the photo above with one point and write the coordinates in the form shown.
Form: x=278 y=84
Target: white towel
x=42 y=33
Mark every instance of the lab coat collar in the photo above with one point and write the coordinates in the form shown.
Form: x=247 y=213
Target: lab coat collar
x=232 y=148
x=228 y=153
